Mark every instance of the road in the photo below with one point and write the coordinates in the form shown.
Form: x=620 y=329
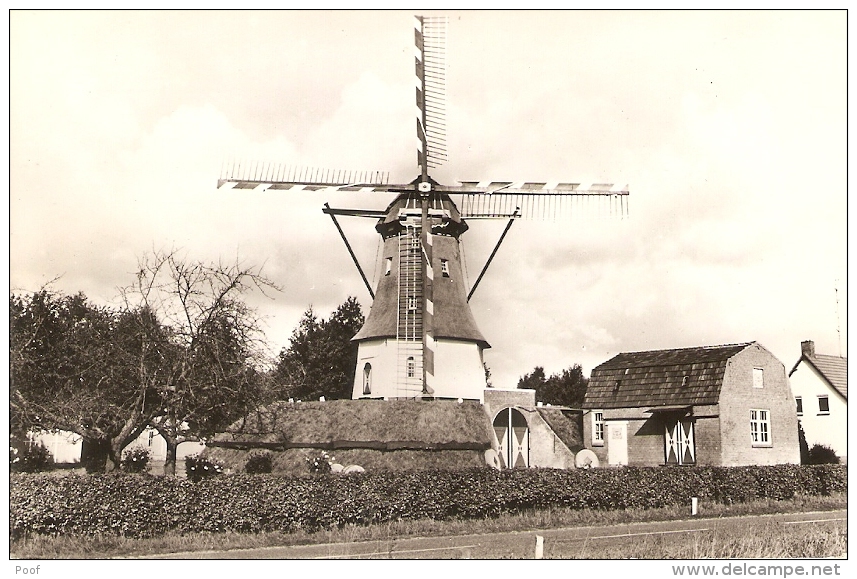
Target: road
x=511 y=545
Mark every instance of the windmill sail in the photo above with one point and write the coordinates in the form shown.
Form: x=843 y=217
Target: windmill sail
x=286 y=177
x=539 y=200
x=430 y=44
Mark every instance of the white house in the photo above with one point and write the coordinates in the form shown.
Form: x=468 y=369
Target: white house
x=820 y=386
x=65 y=446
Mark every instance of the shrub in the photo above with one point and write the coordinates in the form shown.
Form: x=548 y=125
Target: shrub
x=199 y=467
x=136 y=459
x=133 y=506
x=259 y=462
x=801 y=440
x=319 y=463
x=821 y=454
x=30 y=458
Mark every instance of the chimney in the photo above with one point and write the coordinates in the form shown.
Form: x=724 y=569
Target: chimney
x=807 y=348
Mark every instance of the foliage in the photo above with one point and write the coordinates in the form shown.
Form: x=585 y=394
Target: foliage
x=30 y=457
x=821 y=454
x=127 y=505
x=321 y=358
x=802 y=444
x=136 y=459
x=77 y=367
x=320 y=463
x=198 y=467
x=259 y=462
x=564 y=389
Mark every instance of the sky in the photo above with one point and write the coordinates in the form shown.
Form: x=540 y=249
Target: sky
x=728 y=127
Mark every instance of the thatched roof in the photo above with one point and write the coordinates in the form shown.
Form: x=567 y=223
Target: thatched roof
x=377 y=424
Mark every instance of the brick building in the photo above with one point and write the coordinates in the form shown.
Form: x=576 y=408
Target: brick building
x=727 y=405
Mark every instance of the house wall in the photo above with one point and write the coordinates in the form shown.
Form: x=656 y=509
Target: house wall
x=459 y=372
x=829 y=429
x=546 y=448
x=738 y=396
x=645 y=433
x=66 y=446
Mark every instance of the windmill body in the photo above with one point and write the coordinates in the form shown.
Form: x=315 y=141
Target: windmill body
x=420 y=338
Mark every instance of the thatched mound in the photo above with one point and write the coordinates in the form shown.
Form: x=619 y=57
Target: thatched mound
x=566 y=425
x=362 y=424
x=293 y=461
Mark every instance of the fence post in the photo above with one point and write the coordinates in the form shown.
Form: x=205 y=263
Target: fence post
x=540 y=546
x=693 y=506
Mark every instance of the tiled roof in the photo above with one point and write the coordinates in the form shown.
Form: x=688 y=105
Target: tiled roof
x=834 y=369
x=686 y=376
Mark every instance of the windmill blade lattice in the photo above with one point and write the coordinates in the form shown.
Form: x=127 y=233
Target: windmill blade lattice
x=263 y=176
x=538 y=200
x=430 y=45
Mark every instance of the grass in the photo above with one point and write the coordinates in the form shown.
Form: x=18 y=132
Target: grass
x=755 y=543
x=763 y=540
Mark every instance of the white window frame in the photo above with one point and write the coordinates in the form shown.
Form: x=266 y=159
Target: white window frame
x=412 y=367
x=799 y=405
x=760 y=427
x=412 y=304
x=826 y=398
x=444 y=267
x=388 y=267
x=598 y=428
x=758 y=377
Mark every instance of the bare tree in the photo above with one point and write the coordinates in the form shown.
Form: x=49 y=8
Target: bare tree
x=212 y=347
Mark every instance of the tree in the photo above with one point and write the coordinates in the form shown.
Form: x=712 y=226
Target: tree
x=321 y=358
x=75 y=366
x=564 y=389
x=211 y=348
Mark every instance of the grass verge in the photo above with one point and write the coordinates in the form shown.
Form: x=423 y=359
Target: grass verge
x=103 y=547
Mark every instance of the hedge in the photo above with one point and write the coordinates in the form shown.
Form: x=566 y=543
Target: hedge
x=139 y=505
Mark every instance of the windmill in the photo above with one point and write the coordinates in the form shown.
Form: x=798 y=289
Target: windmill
x=420 y=339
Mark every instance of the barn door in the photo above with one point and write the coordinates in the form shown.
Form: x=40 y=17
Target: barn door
x=679 y=444
x=513 y=434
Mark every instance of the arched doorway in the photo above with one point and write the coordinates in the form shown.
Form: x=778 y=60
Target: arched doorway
x=513 y=434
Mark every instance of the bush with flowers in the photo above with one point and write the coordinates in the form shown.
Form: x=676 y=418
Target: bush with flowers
x=199 y=467
x=136 y=459
x=320 y=463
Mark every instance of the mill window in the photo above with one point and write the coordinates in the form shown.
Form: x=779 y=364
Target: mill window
x=444 y=267
x=411 y=367
x=367 y=378
x=758 y=378
x=598 y=428
x=760 y=428
x=388 y=266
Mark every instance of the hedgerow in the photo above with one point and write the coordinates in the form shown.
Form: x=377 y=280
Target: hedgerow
x=140 y=506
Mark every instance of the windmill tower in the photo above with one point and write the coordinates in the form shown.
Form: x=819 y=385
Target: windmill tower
x=420 y=339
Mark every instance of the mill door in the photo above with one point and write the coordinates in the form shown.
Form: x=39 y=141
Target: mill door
x=617 y=443
x=513 y=434
x=679 y=444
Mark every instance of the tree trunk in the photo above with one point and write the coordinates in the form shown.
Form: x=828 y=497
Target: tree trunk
x=92 y=456
x=95 y=456
x=170 y=461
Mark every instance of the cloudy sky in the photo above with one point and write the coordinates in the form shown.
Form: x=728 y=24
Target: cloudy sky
x=729 y=127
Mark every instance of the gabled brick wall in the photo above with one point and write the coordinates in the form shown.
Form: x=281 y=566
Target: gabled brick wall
x=738 y=397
